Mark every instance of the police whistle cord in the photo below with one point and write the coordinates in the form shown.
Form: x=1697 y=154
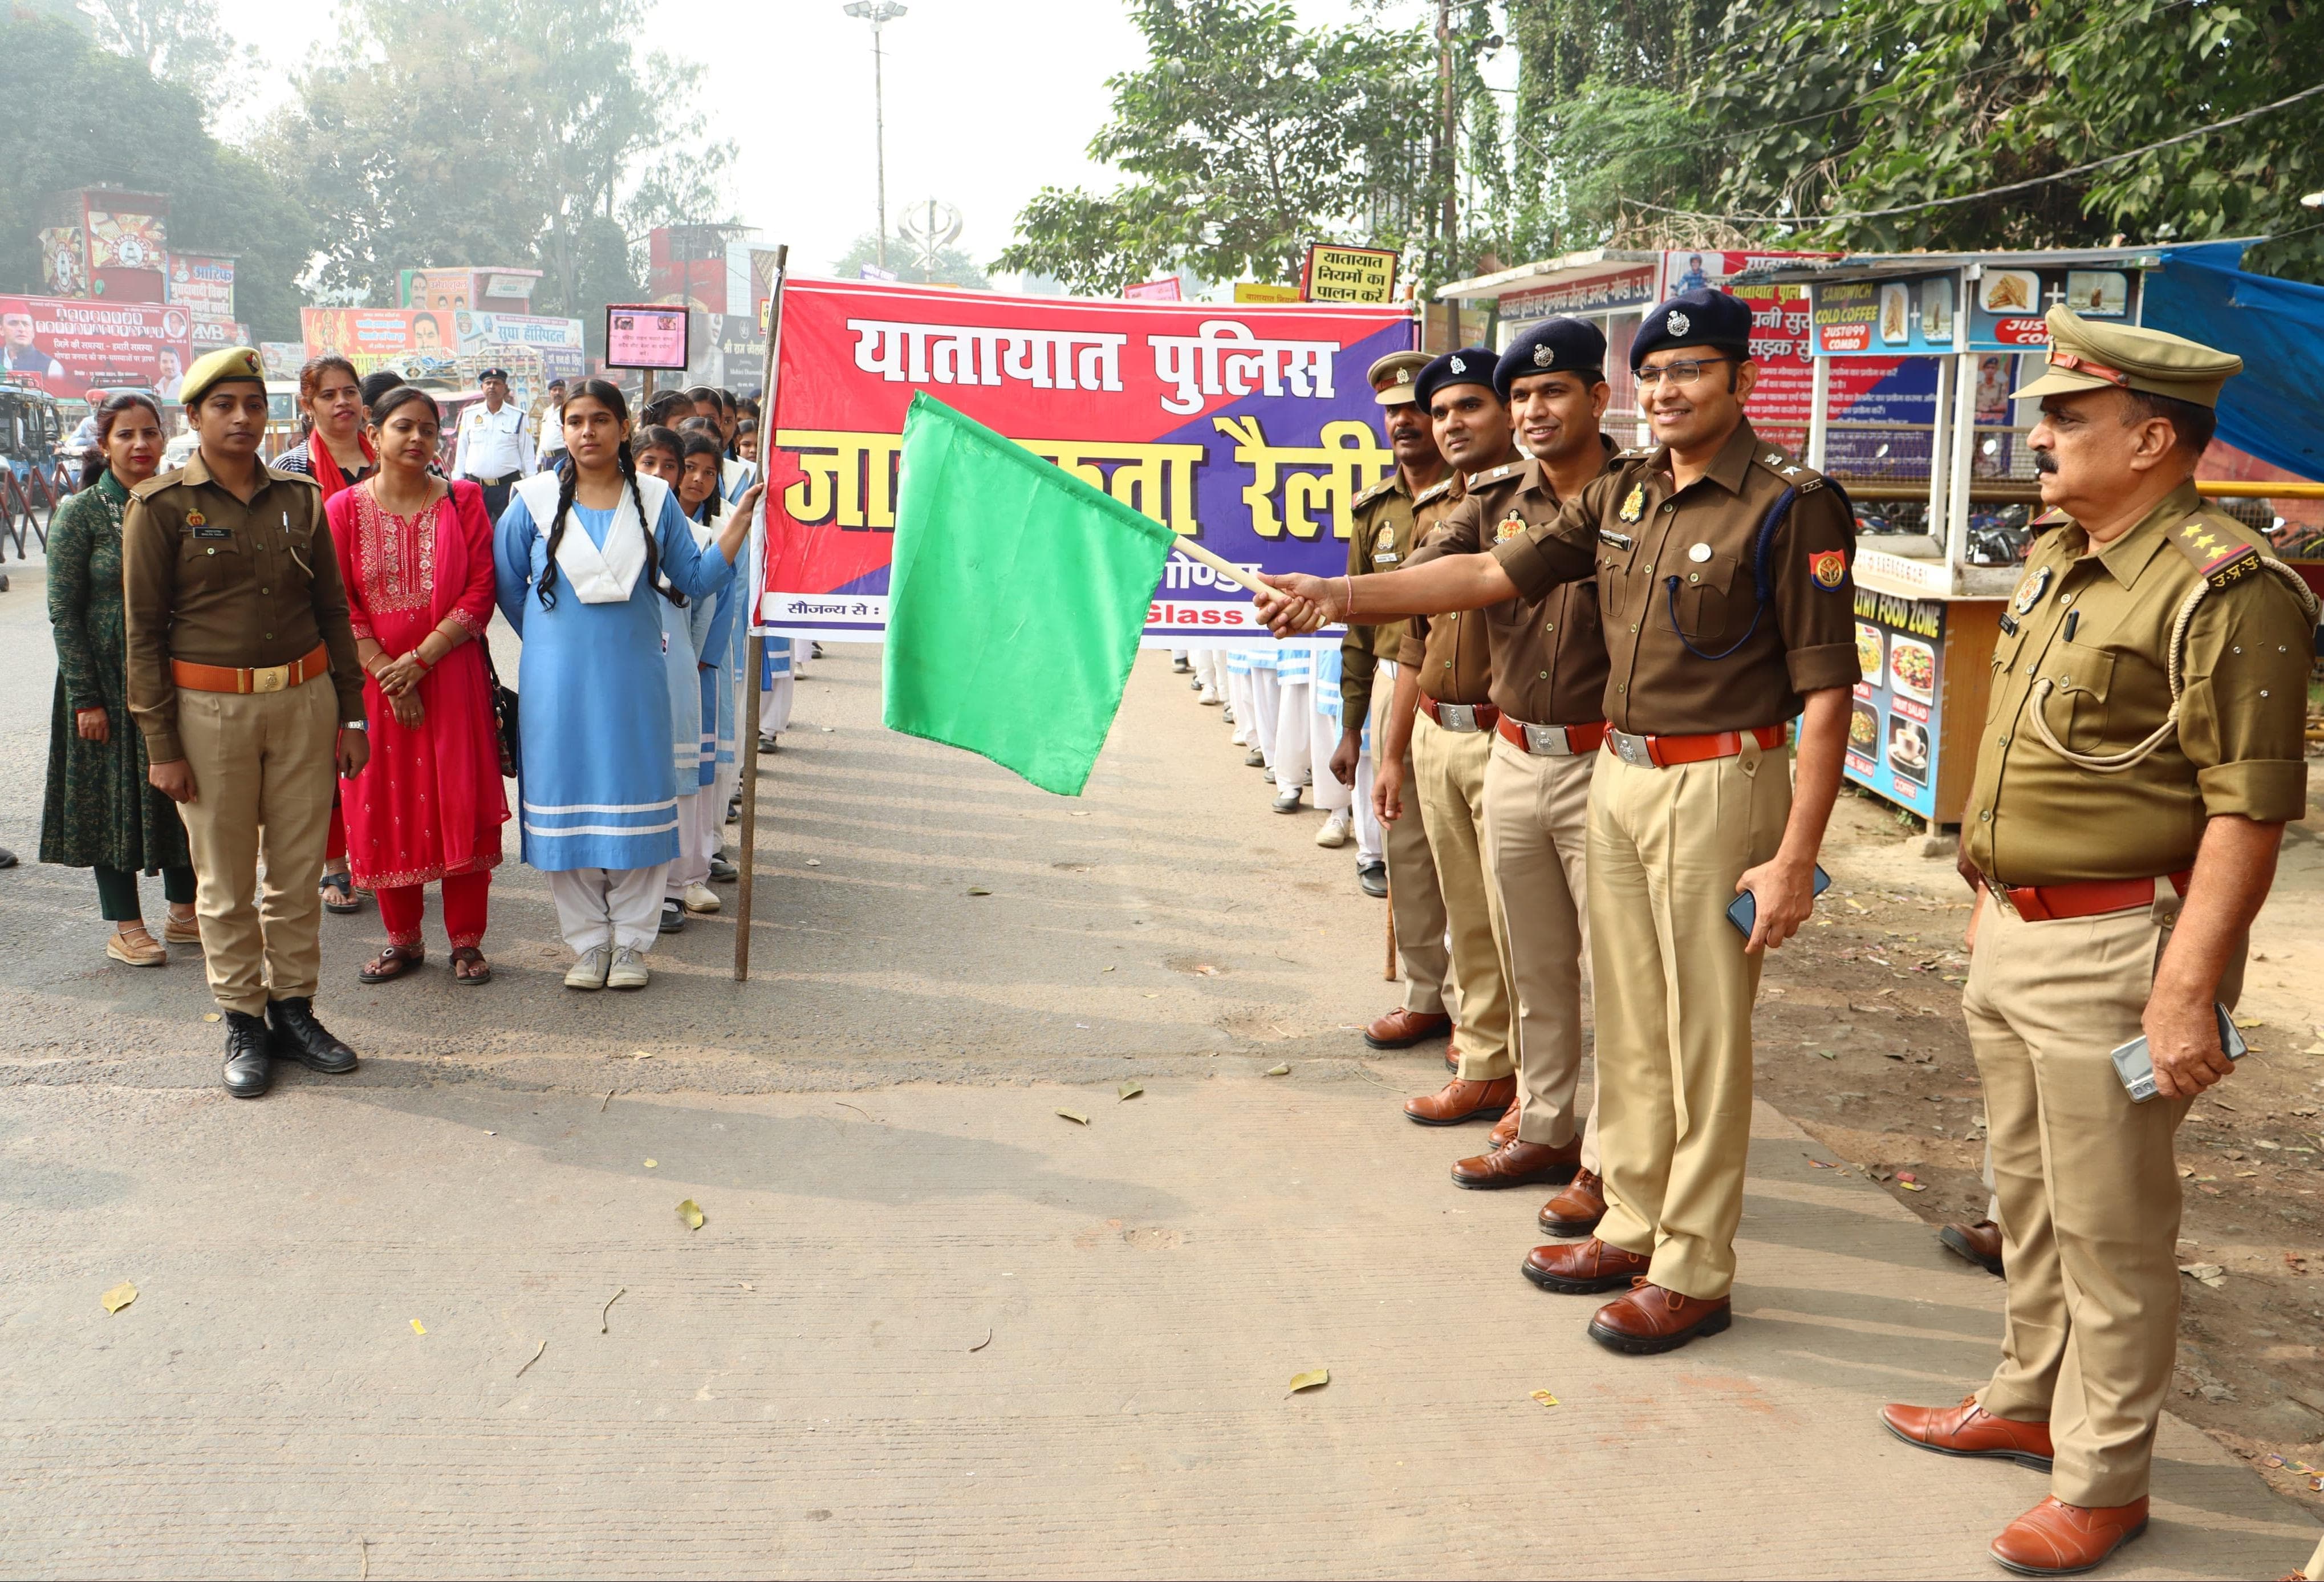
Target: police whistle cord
x=2131 y=756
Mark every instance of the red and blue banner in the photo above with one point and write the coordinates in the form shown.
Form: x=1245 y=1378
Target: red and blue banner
x=1249 y=429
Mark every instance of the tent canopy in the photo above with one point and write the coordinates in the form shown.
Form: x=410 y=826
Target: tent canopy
x=2271 y=410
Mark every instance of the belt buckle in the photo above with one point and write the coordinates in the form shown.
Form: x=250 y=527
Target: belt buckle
x=269 y=679
x=1457 y=716
x=1548 y=741
x=1630 y=749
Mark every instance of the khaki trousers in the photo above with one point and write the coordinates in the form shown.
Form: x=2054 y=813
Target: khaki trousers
x=1414 y=898
x=263 y=768
x=1536 y=835
x=2089 y=1191
x=1672 y=989
x=1449 y=776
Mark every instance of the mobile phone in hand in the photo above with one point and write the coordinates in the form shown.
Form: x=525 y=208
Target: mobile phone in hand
x=2134 y=1062
x=1743 y=911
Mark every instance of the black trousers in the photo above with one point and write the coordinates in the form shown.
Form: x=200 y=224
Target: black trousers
x=497 y=499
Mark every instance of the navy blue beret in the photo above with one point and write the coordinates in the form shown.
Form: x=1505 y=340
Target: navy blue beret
x=1471 y=364
x=1554 y=346
x=1704 y=318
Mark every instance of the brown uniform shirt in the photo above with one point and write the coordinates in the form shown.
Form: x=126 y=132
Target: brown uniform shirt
x=209 y=578
x=1548 y=654
x=1389 y=525
x=2096 y=625
x=1693 y=642
x=1452 y=656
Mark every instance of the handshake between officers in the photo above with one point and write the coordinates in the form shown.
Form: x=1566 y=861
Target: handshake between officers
x=1717 y=569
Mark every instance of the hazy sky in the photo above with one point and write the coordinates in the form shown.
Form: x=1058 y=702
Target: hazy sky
x=987 y=102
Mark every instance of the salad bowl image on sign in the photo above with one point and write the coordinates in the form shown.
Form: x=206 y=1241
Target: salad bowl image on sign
x=1912 y=669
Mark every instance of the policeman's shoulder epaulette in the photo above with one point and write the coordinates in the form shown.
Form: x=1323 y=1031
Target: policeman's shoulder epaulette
x=1796 y=474
x=2220 y=554
x=1494 y=475
x=1386 y=485
x=282 y=475
x=1634 y=453
x=156 y=484
x=2054 y=517
x=1432 y=491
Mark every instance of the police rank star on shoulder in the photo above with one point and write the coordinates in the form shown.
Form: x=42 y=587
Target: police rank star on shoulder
x=2141 y=755
x=1725 y=603
x=237 y=619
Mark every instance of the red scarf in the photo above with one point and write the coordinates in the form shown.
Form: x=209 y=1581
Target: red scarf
x=325 y=466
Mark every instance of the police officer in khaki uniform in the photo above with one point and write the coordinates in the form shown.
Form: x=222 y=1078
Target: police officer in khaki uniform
x=1549 y=674
x=1722 y=568
x=2140 y=757
x=1390 y=519
x=242 y=676
x=1443 y=712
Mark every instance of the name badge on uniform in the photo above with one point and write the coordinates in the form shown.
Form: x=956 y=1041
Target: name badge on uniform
x=213 y=532
x=1508 y=527
x=1634 y=506
x=1384 y=548
x=1620 y=541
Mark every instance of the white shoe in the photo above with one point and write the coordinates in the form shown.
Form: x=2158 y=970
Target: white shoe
x=701 y=898
x=1335 y=833
x=1210 y=698
x=589 y=972
x=628 y=970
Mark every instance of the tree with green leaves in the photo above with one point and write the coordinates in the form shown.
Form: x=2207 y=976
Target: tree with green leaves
x=73 y=114
x=182 y=41
x=1245 y=137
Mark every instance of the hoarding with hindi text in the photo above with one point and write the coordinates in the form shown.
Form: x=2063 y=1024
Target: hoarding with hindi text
x=1249 y=429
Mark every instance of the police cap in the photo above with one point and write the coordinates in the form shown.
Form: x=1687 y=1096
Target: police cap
x=1391 y=376
x=233 y=362
x=2084 y=355
x=1471 y=364
x=1554 y=346
x=1708 y=319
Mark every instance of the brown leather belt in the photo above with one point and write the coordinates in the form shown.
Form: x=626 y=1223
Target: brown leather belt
x=197 y=678
x=1460 y=716
x=1662 y=752
x=2050 y=903
x=1552 y=741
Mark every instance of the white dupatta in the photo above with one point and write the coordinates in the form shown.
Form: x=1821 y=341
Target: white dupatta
x=597 y=575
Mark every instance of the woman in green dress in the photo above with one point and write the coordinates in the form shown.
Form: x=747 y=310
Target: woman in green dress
x=100 y=811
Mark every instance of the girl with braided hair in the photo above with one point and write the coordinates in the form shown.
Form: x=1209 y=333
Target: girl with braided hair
x=585 y=556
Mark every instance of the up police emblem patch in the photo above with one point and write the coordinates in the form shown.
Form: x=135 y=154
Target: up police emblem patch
x=1829 y=568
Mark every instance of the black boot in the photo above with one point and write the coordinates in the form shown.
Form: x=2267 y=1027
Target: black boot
x=248 y=1074
x=296 y=1035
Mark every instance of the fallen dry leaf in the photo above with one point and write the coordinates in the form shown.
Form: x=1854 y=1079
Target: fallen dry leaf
x=1279 y=1071
x=210 y=1016
x=653 y=1164
x=814 y=862
x=978 y=890
x=1314 y=1379
x=1911 y=1186
x=1154 y=996
x=2210 y=1274
x=1132 y=1090
x=532 y=1359
x=417 y=1328
x=1076 y=1120
x=1206 y=972
x=691 y=1212
x=1105 y=970
x=119 y=1297
x=1544 y=1397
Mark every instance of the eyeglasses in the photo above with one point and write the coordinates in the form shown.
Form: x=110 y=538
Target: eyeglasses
x=1681 y=374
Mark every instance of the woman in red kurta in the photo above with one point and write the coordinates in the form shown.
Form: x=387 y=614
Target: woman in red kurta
x=416 y=555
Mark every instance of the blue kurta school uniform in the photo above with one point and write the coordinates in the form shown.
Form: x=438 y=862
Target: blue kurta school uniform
x=599 y=787
x=713 y=631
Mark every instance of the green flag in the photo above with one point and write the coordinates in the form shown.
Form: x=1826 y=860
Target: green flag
x=1015 y=600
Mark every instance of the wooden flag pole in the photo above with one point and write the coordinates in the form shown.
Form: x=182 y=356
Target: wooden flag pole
x=756 y=651
x=1224 y=567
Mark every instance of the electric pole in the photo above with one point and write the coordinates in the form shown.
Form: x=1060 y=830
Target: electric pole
x=879 y=13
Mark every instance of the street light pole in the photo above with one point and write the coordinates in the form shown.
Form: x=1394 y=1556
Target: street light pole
x=877 y=12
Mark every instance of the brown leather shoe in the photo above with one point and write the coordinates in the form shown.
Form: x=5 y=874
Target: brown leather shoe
x=1980 y=1244
x=1584 y=1268
x=1653 y=1318
x=1401 y=1029
x=1458 y=1101
x=1505 y=1130
x=2057 y=1539
x=1519 y=1164
x=1968 y=1429
x=1575 y=1211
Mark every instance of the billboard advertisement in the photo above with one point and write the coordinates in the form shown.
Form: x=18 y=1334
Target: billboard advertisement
x=128 y=237
x=72 y=345
x=416 y=343
x=203 y=285
x=1247 y=428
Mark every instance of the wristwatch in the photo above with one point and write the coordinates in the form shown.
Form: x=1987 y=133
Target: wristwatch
x=356 y=725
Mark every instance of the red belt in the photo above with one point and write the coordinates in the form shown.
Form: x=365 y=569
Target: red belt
x=201 y=677
x=1662 y=752
x=1460 y=716
x=1578 y=738
x=2050 y=903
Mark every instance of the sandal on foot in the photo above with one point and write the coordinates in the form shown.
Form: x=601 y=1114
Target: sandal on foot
x=340 y=893
x=468 y=956
x=393 y=963
x=178 y=930
x=136 y=947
